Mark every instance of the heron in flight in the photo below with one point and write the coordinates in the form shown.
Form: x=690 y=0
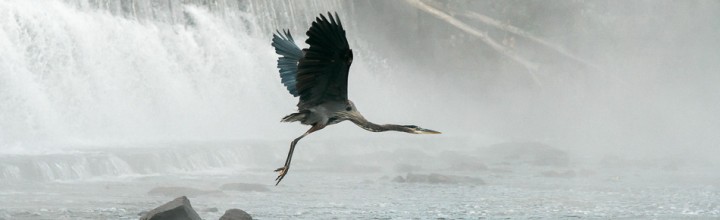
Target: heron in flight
x=319 y=76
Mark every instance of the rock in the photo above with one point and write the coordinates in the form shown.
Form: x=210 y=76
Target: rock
x=253 y=187
x=175 y=191
x=178 y=209
x=435 y=178
x=235 y=214
x=399 y=179
x=416 y=178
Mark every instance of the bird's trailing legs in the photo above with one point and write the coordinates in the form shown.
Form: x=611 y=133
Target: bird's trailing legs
x=284 y=170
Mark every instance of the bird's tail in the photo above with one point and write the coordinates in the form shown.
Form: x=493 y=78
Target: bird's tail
x=293 y=117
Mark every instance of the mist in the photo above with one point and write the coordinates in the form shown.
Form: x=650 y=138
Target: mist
x=646 y=87
x=130 y=95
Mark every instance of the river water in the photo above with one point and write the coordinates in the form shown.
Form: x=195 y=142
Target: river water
x=334 y=182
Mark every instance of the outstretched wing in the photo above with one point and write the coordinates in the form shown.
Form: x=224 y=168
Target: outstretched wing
x=323 y=71
x=288 y=62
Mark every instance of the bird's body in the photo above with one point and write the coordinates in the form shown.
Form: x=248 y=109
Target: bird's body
x=319 y=76
x=326 y=113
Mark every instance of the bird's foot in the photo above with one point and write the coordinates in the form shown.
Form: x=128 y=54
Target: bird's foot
x=281 y=175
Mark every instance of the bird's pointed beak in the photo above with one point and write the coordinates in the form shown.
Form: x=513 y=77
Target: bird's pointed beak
x=426 y=131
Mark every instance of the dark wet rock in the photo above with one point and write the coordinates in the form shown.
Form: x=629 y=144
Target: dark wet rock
x=431 y=178
x=178 y=209
x=235 y=214
x=174 y=191
x=533 y=153
x=556 y=174
x=248 y=187
x=435 y=178
x=399 y=179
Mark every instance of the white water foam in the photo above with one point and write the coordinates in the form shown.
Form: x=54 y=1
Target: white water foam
x=86 y=76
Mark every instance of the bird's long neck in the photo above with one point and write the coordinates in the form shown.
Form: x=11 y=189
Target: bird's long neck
x=367 y=125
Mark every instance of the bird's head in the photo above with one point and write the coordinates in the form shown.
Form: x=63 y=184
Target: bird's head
x=418 y=130
x=350 y=111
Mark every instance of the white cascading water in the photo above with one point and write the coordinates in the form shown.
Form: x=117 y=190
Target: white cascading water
x=110 y=73
x=72 y=73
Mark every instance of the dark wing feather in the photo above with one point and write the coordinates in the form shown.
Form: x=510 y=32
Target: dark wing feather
x=323 y=71
x=288 y=62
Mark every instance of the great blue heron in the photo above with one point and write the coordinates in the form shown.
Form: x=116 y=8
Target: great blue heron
x=319 y=75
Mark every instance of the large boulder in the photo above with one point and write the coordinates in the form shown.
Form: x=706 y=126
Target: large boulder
x=253 y=187
x=178 y=209
x=235 y=214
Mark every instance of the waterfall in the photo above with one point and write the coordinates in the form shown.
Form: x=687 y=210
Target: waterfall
x=105 y=88
x=142 y=160
x=105 y=71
